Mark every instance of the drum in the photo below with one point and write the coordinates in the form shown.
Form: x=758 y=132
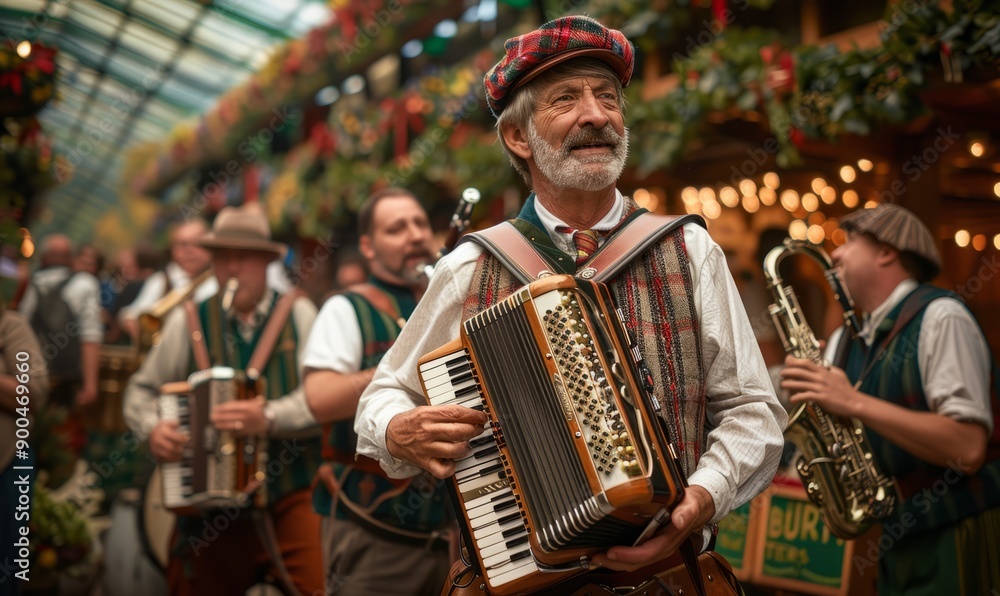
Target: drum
x=127 y=570
x=156 y=522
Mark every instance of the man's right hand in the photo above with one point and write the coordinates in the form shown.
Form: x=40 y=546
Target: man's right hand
x=432 y=437
x=166 y=442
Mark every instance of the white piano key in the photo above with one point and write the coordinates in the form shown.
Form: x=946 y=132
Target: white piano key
x=475 y=513
x=473 y=503
x=503 y=557
x=507 y=573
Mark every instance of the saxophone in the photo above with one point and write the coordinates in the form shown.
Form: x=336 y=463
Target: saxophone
x=835 y=462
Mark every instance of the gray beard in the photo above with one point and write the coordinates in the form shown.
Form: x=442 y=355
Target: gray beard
x=565 y=170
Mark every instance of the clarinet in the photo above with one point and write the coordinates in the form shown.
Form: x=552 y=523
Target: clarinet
x=459 y=223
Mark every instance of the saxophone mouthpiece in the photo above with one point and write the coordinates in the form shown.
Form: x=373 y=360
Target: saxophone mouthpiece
x=232 y=284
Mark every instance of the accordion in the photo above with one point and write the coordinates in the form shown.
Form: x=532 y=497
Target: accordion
x=575 y=457
x=216 y=469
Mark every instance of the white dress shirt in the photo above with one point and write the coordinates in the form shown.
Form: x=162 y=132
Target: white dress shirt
x=953 y=356
x=744 y=445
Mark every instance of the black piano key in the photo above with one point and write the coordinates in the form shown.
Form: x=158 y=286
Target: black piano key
x=517 y=541
x=524 y=554
x=491 y=469
x=458 y=380
x=512 y=532
x=508 y=519
x=505 y=506
x=487 y=440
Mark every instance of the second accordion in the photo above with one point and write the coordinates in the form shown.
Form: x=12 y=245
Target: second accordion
x=575 y=457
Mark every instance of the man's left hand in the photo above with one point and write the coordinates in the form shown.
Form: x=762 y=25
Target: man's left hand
x=241 y=417
x=691 y=514
x=828 y=387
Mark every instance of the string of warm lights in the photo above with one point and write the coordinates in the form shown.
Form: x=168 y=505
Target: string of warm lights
x=811 y=224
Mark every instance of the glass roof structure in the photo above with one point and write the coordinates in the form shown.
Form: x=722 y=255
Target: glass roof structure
x=130 y=70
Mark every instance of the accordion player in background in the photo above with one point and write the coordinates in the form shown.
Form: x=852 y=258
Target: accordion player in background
x=280 y=540
x=558 y=97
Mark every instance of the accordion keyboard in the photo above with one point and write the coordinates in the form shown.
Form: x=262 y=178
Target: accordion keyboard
x=177 y=487
x=487 y=501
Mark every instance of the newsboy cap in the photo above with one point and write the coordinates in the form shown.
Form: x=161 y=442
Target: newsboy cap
x=901 y=229
x=531 y=54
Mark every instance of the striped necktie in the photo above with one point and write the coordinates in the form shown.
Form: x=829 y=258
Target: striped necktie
x=586 y=242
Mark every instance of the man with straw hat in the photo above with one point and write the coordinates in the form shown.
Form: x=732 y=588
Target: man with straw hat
x=918 y=378
x=253 y=323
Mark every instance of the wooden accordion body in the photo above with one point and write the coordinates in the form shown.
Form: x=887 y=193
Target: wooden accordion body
x=217 y=469
x=575 y=457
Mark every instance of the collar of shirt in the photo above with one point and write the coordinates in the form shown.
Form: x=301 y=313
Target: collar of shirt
x=564 y=242
x=258 y=315
x=875 y=318
x=178 y=278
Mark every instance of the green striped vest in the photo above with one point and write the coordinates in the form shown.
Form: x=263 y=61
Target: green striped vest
x=227 y=347
x=932 y=496
x=423 y=506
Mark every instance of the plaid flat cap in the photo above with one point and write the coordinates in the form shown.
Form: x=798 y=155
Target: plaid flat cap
x=531 y=54
x=899 y=228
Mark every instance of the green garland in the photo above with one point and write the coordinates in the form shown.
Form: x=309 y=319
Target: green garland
x=818 y=92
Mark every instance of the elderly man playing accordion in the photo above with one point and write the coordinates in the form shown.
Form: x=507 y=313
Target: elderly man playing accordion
x=256 y=332
x=558 y=97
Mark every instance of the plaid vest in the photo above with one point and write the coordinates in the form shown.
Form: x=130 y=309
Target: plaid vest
x=932 y=496
x=227 y=347
x=656 y=296
x=422 y=507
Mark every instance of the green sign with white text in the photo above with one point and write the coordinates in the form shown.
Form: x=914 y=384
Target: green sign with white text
x=798 y=545
x=732 y=538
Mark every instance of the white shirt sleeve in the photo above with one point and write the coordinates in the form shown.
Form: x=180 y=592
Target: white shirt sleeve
x=745 y=420
x=152 y=290
x=292 y=413
x=395 y=387
x=335 y=341
x=954 y=361
x=83 y=295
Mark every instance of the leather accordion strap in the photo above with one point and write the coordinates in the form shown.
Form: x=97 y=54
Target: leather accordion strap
x=632 y=239
x=201 y=359
x=710 y=576
x=269 y=337
x=512 y=249
x=519 y=256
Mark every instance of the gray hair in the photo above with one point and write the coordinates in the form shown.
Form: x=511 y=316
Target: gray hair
x=520 y=109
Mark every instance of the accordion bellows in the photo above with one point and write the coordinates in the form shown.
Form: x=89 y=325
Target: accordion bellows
x=575 y=458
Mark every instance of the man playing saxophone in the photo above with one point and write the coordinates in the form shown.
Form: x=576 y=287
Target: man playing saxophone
x=918 y=377
x=232 y=326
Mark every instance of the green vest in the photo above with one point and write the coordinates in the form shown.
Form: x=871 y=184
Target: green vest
x=291 y=462
x=932 y=496
x=423 y=506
